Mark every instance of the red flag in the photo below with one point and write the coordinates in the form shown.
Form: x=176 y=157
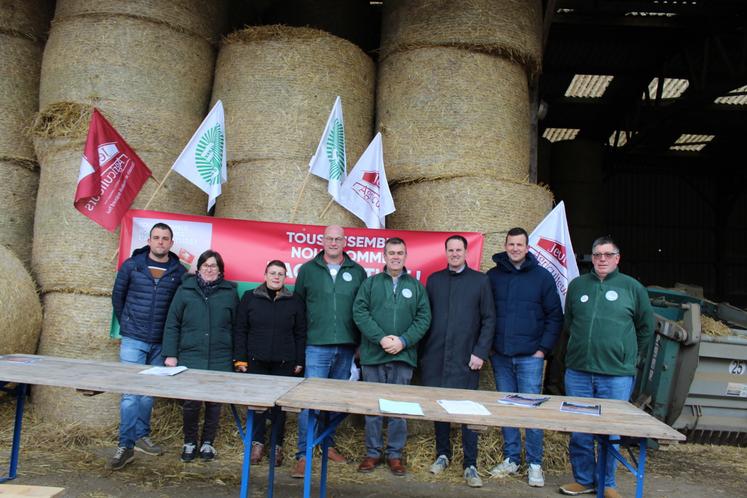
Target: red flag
x=111 y=175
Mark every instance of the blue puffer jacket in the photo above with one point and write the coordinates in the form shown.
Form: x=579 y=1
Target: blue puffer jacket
x=141 y=304
x=528 y=312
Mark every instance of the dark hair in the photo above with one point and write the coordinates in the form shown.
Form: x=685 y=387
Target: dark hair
x=456 y=237
x=162 y=226
x=605 y=239
x=517 y=231
x=394 y=241
x=210 y=254
x=276 y=262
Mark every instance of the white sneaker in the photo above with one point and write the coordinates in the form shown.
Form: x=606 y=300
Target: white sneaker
x=536 y=477
x=472 y=477
x=504 y=469
x=440 y=464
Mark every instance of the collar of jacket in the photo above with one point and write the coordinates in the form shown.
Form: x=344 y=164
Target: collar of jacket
x=346 y=260
x=609 y=276
x=262 y=291
x=404 y=273
x=503 y=262
x=189 y=281
x=141 y=257
x=457 y=273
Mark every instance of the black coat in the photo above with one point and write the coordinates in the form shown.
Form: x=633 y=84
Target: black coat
x=270 y=330
x=462 y=324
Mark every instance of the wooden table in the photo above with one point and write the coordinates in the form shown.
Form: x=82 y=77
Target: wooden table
x=257 y=392
x=617 y=418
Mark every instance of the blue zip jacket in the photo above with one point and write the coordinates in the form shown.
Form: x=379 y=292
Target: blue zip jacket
x=140 y=304
x=529 y=316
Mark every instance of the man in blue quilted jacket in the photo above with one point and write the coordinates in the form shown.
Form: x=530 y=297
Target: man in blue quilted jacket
x=145 y=285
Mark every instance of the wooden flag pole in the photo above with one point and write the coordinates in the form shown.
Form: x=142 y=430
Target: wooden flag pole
x=300 y=194
x=326 y=208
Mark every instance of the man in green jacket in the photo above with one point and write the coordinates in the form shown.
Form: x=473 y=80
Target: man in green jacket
x=393 y=313
x=610 y=323
x=328 y=284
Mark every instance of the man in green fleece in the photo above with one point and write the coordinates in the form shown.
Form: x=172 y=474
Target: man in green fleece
x=610 y=323
x=392 y=313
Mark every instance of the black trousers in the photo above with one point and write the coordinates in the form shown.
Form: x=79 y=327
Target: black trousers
x=276 y=415
x=191 y=413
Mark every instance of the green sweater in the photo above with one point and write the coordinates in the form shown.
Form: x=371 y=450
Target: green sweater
x=379 y=312
x=609 y=322
x=329 y=303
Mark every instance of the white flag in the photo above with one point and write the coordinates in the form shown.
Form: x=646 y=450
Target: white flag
x=330 y=159
x=550 y=243
x=365 y=192
x=203 y=160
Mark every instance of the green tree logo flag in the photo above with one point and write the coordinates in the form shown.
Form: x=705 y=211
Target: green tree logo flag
x=336 y=151
x=209 y=155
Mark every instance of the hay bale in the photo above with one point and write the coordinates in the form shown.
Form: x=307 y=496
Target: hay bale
x=26 y=18
x=20 y=309
x=509 y=28
x=18 y=185
x=76 y=326
x=450 y=112
x=713 y=327
x=471 y=203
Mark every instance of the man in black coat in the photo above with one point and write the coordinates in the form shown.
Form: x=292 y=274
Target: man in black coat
x=457 y=343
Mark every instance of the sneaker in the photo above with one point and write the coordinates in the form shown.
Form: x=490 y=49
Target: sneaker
x=504 y=469
x=472 y=477
x=575 y=488
x=122 y=456
x=188 y=452
x=146 y=445
x=535 y=476
x=611 y=493
x=207 y=452
x=440 y=464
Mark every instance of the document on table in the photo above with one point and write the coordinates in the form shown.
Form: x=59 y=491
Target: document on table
x=400 y=407
x=163 y=371
x=582 y=408
x=463 y=407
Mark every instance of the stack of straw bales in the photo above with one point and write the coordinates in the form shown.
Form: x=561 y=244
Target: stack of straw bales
x=453 y=106
x=23 y=28
x=148 y=67
x=20 y=308
x=278 y=85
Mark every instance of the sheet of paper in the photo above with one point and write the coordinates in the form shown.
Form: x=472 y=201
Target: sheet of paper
x=400 y=407
x=463 y=407
x=582 y=408
x=163 y=371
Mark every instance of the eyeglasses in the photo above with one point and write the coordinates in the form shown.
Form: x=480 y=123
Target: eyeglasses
x=209 y=267
x=334 y=239
x=607 y=255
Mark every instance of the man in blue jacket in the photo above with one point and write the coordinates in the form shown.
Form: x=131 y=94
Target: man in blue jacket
x=145 y=285
x=529 y=318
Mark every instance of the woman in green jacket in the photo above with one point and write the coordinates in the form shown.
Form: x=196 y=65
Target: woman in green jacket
x=199 y=334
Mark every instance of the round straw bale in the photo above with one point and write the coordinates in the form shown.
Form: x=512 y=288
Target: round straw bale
x=77 y=326
x=450 y=112
x=268 y=191
x=509 y=28
x=27 y=18
x=18 y=186
x=278 y=85
x=471 y=203
x=20 y=308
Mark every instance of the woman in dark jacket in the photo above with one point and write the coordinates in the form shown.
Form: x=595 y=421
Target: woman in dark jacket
x=270 y=339
x=198 y=334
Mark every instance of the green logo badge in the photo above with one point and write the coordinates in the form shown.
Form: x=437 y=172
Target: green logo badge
x=336 y=151
x=209 y=155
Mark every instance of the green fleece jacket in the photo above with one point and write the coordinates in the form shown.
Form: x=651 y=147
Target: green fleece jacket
x=609 y=322
x=329 y=303
x=379 y=311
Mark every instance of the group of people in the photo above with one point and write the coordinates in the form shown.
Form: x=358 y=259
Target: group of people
x=511 y=316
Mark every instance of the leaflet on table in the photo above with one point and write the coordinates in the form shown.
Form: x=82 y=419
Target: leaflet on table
x=463 y=407
x=400 y=407
x=523 y=400
x=163 y=371
x=582 y=408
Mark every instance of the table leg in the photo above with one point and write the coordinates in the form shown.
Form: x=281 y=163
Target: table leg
x=311 y=423
x=16 y=445
x=247 y=465
x=603 y=446
x=641 y=474
x=271 y=463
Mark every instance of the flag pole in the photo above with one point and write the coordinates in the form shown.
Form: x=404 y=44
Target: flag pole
x=329 y=204
x=300 y=194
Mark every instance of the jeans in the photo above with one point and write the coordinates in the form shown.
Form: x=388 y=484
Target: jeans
x=395 y=372
x=191 y=420
x=581 y=446
x=324 y=362
x=134 y=410
x=469 y=443
x=276 y=414
x=520 y=374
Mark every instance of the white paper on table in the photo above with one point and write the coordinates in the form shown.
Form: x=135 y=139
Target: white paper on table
x=400 y=407
x=163 y=371
x=463 y=407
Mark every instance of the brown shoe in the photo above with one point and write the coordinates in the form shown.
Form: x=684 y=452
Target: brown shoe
x=334 y=456
x=611 y=493
x=258 y=450
x=279 y=456
x=299 y=469
x=396 y=466
x=369 y=464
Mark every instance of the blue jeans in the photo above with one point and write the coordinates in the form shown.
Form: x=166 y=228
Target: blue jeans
x=520 y=374
x=581 y=446
x=395 y=372
x=134 y=410
x=324 y=362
